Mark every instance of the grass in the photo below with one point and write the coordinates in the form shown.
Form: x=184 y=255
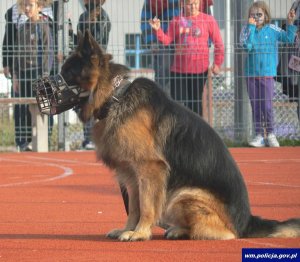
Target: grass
x=7 y=137
x=73 y=131
x=289 y=142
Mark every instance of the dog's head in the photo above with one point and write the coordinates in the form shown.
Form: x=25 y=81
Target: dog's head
x=89 y=68
x=81 y=76
x=88 y=65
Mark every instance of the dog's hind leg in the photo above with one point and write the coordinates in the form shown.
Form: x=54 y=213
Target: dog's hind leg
x=197 y=214
x=177 y=233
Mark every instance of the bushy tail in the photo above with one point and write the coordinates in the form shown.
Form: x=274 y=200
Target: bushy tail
x=259 y=227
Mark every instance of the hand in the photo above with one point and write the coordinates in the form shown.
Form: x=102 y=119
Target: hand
x=215 y=69
x=15 y=84
x=155 y=23
x=251 y=21
x=291 y=16
x=60 y=57
x=154 y=47
x=6 y=72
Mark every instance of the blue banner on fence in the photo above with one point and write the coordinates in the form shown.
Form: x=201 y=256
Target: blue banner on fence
x=270 y=254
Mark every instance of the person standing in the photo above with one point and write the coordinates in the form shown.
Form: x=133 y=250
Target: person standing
x=289 y=77
x=191 y=32
x=260 y=40
x=162 y=57
x=14 y=19
x=33 y=55
x=97 y=21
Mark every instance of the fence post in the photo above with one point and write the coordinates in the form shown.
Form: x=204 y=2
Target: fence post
x=63 y=49
x=207 y=100
x=39 y=129
x=241 y=106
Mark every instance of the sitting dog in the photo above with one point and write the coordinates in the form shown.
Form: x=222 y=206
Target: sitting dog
x=176 y=169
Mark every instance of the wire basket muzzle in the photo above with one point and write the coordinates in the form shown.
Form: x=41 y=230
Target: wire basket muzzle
x=55 y=96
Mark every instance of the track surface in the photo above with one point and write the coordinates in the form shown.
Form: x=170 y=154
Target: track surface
x=58 y=207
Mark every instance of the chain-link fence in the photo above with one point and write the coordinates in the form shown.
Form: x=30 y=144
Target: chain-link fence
x=225 y=102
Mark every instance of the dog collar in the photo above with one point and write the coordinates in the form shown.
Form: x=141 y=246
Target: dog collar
x=120 y=84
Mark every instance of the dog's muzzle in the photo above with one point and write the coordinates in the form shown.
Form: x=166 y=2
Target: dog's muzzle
x=55 y=96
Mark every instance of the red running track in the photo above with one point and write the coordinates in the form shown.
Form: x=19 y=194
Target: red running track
x=58 y=207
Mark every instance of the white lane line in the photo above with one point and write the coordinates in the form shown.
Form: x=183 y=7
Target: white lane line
x=271 y=184
x=269 y=161
x=67 y=172
x=65 y=160
x=261 y=243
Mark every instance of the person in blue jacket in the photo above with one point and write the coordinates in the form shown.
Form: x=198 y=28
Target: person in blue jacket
x=260 y=40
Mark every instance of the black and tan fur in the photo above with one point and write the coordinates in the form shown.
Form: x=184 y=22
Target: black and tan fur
x=176 y=169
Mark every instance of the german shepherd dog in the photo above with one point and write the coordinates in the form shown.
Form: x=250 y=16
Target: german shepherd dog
x=176 y=169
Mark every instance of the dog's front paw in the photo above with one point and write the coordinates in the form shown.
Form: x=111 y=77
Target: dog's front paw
x=134 y=236
x=115 y=233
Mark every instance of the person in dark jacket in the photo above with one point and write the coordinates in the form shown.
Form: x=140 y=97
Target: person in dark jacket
x=15 y=20
x=288 y=77
x=33 y=55
x=97 y=21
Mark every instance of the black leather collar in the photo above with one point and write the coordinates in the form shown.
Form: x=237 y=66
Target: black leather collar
x=120 y=85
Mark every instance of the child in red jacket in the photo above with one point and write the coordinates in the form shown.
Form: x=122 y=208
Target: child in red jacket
x=191 y=32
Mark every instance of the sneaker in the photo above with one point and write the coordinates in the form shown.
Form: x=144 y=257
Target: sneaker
x=29 y=147
x=272 y=141
x=89 y=146
x=258 y=141
x=25 y=147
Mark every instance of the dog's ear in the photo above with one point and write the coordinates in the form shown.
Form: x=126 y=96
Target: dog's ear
x=86 y=47
x=104 y=59
x=90 y=48
x=95 y=60
x=79 y=36
x=108 y=57
x=79 y=41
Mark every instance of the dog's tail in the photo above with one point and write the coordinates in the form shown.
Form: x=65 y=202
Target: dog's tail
x=259 y=227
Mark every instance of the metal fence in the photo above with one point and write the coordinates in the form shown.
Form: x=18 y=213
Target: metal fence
x=225 y=101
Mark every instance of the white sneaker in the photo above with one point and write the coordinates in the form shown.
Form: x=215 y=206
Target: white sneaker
x=89 y=146
x=25 y=147
x=29 y=147
x=272 y=141
x=258 y=141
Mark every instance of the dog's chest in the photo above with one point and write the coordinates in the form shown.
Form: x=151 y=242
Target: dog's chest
x=106 y=143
